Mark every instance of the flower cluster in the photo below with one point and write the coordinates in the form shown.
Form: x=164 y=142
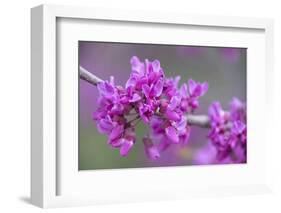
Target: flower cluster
x=229 y=131
x=150 y=97
x=171 y=126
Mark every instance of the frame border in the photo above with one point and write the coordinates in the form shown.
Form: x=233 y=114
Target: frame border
x=43 y=88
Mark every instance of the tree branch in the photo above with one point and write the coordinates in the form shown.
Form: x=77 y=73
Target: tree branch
x=196 y=120
x=89 y=77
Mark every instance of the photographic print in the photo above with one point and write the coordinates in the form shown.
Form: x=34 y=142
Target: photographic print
x=155 y=105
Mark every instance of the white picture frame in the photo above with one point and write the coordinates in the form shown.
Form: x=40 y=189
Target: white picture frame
x=49 y=185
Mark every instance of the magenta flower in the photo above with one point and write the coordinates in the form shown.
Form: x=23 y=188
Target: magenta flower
x=145 y=112
x=116 y=132
x=228 y=131
x=149 y=97
x=151 y=150
x=171 y=86
x=105 y=125
x=126 y=146
x=238 y=110
x=167 y=132
x=190 y=94
x=172 y=134
x=196 y=90
x=107 y=89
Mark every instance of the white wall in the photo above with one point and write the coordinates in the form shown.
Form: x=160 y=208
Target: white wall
x=15 y=98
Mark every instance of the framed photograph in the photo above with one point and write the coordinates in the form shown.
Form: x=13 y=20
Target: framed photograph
x=130 y=106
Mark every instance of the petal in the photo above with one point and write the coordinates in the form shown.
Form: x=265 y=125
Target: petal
x=204 y=88
x=137 y=66
x=176 y=81
x=111 y=80
x=132 y=81
x=184 y=90
x=174 y=102
x=216 y=112
x=238 y=127
x=126 y=147
x=191 y=86
x=194 y=103
x=156 y=65
x=106 y=89
x=124 y=100
x=145 y=112
x=184 y=137
x=181 y=124
x=196 y=89
x=172 y=134
x=105 y=126
x=236 y=104
x=140 y=82
x=116 y=132
x=156 y=124
x=200 y=89
x=152 y=153
x=146 y=90
x=153 y=77
x=184 y=105
x=143 y=108
x=99 y=114
x=172 y=115
x=148 y=66
x=116 y=143
x=144 y=118
x=136 y=97
x=135 y=61
x=117 y=108
x=151 y=150
x=158 y=88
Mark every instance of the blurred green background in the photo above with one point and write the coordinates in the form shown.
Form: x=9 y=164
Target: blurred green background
x=223 y=68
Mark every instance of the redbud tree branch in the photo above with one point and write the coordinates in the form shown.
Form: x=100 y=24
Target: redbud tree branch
x=196 y=120
x=89 y=77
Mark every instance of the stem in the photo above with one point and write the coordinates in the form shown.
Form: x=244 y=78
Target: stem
x=134 y=119
x=196 y=120
x=89 y=77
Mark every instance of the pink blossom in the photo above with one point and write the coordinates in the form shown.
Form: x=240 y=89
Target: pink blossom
x=151 y=150
x=150 y=97
x=228 y=132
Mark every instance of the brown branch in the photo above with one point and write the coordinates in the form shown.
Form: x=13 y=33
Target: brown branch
x=196 y=120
